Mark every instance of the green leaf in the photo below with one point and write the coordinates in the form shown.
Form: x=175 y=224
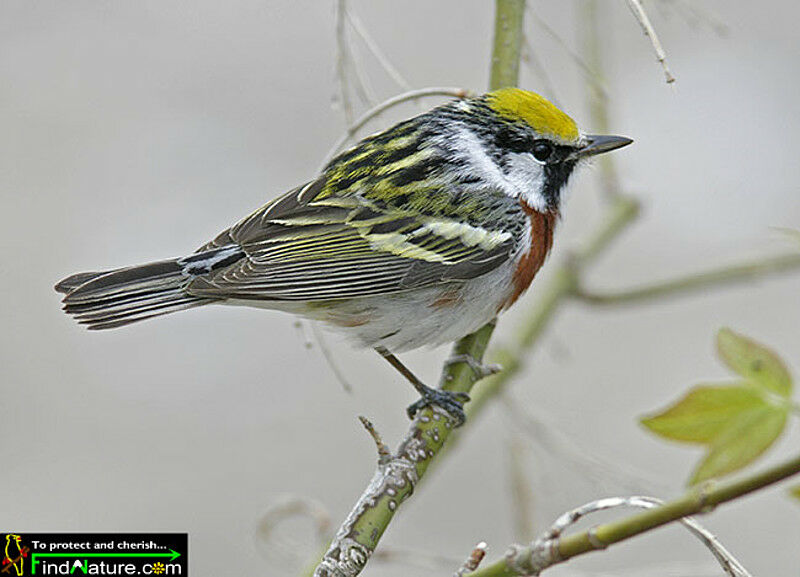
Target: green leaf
x=795 y=491
x=755 y=362
x=740 y=444
x=705 y=413
x=736 y=422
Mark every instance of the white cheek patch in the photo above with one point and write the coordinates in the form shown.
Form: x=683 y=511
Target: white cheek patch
x=523 y=177
x=466 y=144
x=527 y=175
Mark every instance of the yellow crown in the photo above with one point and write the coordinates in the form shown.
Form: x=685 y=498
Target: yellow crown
x=538 y=112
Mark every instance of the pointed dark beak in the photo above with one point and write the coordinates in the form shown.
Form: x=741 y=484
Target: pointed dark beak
x=598 y=144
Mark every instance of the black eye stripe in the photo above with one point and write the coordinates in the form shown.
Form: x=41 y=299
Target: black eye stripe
x=544 y=150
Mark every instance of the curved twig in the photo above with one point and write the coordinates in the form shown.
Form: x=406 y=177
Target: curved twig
x=373 y=47
x=386 y=105
x=552 y=548
x=727 y=561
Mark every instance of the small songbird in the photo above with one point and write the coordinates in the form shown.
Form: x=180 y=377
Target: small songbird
x=417 y=235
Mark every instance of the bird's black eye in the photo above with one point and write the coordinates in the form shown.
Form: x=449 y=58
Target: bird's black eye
x=542 y=150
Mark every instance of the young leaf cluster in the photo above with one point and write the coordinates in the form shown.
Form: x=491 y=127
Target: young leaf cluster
x=737 y=421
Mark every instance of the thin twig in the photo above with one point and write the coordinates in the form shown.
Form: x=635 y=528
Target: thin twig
x=594 y=79
x=273 y=542
x=729 y=563
x=384 y=454
x=373 y=47
x=520 y=490
x=379 y=109
x=644 y=21
x=302 y=329
x=536 y=66
x=473 y=561
x=327 y=354
x=346 y=61
x=311 y=334
x=617 y=476
x=362 y=84
x=694 y=282
x=293 y=506
x=597 y=97
x=546 y=552
x=341 y=60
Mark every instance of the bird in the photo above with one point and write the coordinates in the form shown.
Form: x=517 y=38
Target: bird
x=415 y=236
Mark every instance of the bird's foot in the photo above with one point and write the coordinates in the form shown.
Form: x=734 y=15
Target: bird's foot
x=479 y=370
x=450 y=402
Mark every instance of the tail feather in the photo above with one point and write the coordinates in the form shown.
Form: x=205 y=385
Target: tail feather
x=124 y=307
x=107 y=284
x=70 y=283
x=141 y=313
x=104 y=300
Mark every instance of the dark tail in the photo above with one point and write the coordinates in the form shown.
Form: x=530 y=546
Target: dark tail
x=109 y=299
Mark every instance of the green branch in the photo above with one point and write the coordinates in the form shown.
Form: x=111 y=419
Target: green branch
x=547 y=552
x=509 y=16
x=694 y=282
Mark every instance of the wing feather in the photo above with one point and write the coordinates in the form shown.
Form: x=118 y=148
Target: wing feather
x=301 y=247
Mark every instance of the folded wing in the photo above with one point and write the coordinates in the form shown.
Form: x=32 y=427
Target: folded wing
x=303 y=247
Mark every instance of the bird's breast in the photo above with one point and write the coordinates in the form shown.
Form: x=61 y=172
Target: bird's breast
x=542 y=226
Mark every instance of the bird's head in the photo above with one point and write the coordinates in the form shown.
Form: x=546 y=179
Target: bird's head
x=523 y=143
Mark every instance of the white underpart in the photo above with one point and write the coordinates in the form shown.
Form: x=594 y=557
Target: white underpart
x=408 y=320
x=411 y=319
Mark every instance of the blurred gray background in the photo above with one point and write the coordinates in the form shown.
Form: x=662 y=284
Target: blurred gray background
x=133 y=131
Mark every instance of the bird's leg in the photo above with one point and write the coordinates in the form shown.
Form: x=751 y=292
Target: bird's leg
x=451 y=402
x=478 y=369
